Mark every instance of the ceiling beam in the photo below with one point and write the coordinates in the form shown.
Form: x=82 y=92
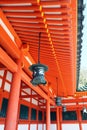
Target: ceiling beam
x=7 y=61
x=29 y=96
x=18 y=2
x=53 y=3
x=8 y=38
x=19 y=8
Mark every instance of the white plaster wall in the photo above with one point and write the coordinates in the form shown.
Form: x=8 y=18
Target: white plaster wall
x=1 y=127
x=44 y=126
x=33 y=92
x=7 y=87
x=0 y=83
x=33 y=127
x=27 y=99
x=39 y=126
x=34 y=101
x=27 y=90
x=1 y=73
x=22 y=127
x=70 y=126
x=9 y=76
x=84 y=126
x=53 y=127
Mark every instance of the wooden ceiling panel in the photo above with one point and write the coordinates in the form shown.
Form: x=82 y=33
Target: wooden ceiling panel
x=54 y=20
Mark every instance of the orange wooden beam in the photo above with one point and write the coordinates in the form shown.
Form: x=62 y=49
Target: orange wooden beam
x=60 y=40
x=29 y=96
x=19 y=8
x=8 y=44
x=28 y=20
x=80 y=94
x=62 y=27
x=30 y=57
x=76 y=100
x=26 y=65
x=38 y=25
x=43 y=51
x=18 y=2
x=47 y=91
x=62 y=9
x=33 y=37
x=7 y=61
x=56 y=16
x=22 y=14
x=30 y=33
x=58 y=22
x=59 y=31
x=28 y=28
x=53 y=3
x=8 y=25
x=74 y=41
x=59 y=35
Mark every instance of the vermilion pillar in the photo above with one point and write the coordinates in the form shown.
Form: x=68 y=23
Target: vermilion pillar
x=12 y=111
x=79 y=119
x=58 y=119
x=48 y=115
x=1 y=99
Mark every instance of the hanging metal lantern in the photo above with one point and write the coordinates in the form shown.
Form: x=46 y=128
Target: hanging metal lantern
x=58 y=101
x=38 y=74
x=64 y=108
x=38 y=70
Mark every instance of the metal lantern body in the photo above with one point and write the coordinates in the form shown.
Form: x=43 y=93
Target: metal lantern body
x=58 y=101
x=64 y=109
x=84 y=110
x=38 y=74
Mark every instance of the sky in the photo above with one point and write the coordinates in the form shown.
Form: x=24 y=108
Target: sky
x=84 y=43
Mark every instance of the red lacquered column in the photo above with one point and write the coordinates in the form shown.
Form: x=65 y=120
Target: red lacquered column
x=12 y=111
x=48 y=115
x=58 y=119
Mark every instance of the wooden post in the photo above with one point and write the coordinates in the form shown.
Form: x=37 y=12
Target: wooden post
x=48 y=115
x=12 y=111
x=58 y=119
x=79 y=119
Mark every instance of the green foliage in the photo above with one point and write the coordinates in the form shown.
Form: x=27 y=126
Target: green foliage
x=83 y=78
